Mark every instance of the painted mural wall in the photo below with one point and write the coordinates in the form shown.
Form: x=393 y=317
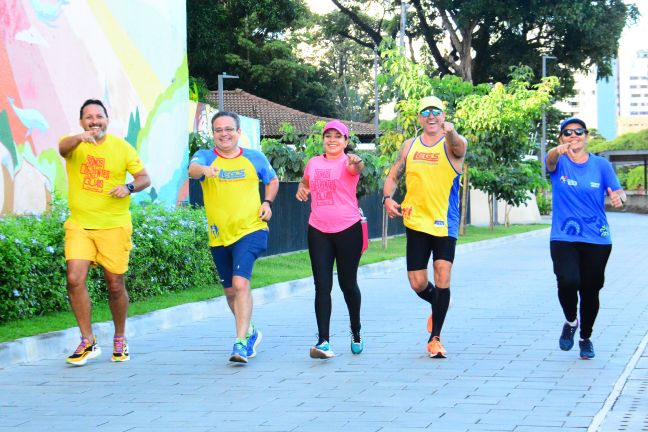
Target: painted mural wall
x=54 y=54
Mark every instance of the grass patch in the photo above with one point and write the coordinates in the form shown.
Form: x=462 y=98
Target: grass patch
x=267 y=271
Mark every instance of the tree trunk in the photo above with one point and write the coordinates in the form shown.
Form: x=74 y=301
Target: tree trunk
x=491 y=224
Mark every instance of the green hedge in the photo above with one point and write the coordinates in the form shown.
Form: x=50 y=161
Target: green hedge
x=170 y=253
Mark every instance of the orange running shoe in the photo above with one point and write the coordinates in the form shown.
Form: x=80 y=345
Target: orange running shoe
x=435 y=348
x=429 y=324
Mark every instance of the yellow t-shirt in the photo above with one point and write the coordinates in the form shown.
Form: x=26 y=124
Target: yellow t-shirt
x=93 y=171
x=232 y=200
x=431 y=204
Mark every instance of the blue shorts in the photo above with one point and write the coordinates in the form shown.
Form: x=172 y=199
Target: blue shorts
x=238 y=258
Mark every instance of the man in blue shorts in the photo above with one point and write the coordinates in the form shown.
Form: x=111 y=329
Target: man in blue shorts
x=237 y=219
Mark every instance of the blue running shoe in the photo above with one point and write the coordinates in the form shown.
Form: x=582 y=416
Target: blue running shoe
x=566 y=340
x=253 y=341
x=322 y=351
x=586 y=348
x=239 y=353
x=357 y=344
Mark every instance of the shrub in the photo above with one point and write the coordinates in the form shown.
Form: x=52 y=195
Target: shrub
x=544 y=202
x=170 y=254
x=289 y=154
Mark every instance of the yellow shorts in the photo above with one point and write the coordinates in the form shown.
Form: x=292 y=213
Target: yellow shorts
x=109 y=248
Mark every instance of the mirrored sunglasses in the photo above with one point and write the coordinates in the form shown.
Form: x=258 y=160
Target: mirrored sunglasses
x=434 y=111
x=570 y=132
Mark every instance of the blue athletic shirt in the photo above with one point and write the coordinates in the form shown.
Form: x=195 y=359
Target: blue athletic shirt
x=578 y=202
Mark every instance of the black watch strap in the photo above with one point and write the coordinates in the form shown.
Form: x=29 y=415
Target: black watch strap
x=131 y=187
x=269 y=202
x=385 y=198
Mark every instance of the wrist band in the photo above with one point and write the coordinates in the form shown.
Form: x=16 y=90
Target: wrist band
x=269 y=202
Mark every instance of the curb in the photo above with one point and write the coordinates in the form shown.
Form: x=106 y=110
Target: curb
x=58 y=343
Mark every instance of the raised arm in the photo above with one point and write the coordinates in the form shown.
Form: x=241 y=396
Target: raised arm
x=198 y=171
x=456 y=143
x=354 y=164
x=69 y=143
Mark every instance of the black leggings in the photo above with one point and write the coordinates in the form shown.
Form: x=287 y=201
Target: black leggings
x=580 y=270
x=344 y=248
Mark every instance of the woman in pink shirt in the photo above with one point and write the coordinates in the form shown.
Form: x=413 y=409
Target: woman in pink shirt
x=334 y=232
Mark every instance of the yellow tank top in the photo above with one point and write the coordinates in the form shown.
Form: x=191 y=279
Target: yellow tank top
x=431 y=204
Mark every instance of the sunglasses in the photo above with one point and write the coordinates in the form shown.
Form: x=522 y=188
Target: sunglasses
x=226 y=130
x=570 y=132
x=434 y=111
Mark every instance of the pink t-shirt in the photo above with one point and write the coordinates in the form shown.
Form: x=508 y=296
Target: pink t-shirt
x=334 y=206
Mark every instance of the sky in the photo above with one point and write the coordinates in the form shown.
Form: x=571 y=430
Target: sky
x=322 y=6
x=634 y=37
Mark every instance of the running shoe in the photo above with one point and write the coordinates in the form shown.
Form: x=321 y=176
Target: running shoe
x=586 y=349
x=239 y=353
x=253 y=341
x=429 y=324
x=566 y=340
x=435 y=348
x=322 y=351
x=120 y=350
x=85 y=351
x=357 y=344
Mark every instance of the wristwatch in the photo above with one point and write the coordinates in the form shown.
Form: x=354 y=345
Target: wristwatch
x=385 y=198
x=131 y=187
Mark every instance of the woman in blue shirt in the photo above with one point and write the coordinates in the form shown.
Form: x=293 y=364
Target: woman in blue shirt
x=580 y=235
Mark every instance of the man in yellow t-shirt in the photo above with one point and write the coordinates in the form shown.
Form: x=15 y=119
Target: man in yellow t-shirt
x=99 y=228
x=432 y=165
x=237 y=219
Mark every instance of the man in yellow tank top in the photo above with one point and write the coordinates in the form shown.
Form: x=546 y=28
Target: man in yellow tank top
x=432 y=165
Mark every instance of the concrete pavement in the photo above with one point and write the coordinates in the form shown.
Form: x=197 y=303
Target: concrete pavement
x=504 y=371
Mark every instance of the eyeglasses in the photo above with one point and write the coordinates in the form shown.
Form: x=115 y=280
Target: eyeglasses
x=577 y=131
x=221 y=130
x=434 y=111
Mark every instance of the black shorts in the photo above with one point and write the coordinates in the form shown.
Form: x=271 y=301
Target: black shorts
x=421 y=245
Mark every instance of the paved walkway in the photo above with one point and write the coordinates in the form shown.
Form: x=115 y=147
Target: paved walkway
x=504 y=371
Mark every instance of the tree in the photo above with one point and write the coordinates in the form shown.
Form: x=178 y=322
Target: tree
x=479 y=40
x=248 y=38
x=499 y=127
x=348 y=64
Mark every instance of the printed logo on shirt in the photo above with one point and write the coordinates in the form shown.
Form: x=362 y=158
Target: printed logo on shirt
x=213 y=229
x=439 y=223
x=604 y=231
x=323 y=187
x=595 y=185
x=94 y=173
x=231 y=175
x=426 y=157
x=407 y=212
x=572 y=226
x=569 y=181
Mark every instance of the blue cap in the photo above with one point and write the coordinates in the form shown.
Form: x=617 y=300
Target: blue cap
x=571 y=120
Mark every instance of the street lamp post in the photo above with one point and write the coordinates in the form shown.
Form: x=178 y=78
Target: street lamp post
x=221 y=98
x=543 y=141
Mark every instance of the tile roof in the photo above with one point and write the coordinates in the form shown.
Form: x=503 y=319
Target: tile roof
x=271 y=115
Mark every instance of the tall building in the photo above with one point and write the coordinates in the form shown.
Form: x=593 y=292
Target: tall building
x=633 y=90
